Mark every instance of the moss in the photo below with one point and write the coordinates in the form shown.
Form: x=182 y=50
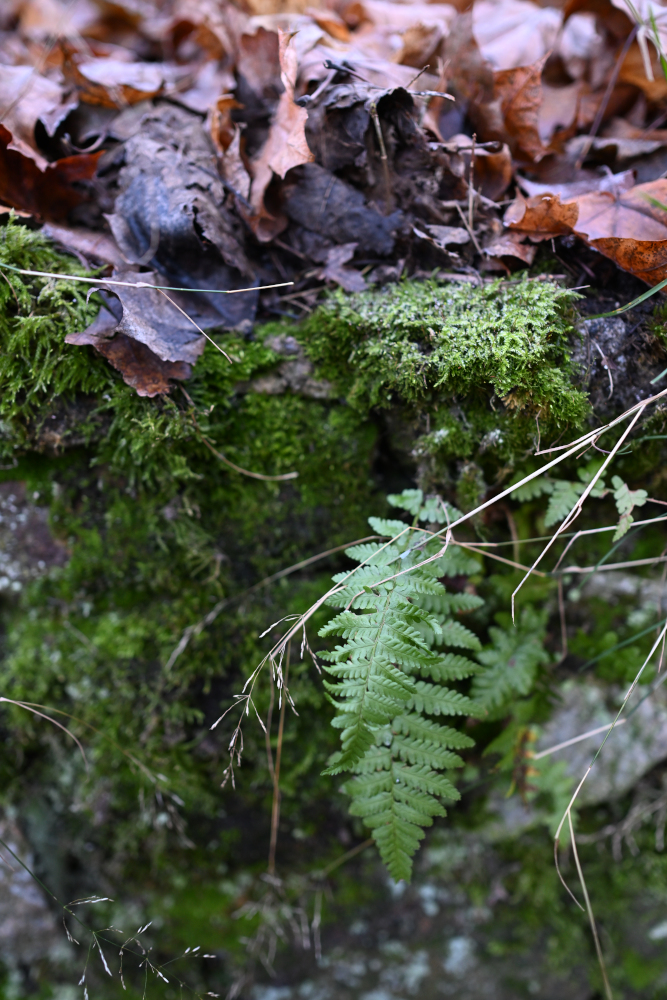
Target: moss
x=158 y=531
x=421 y=342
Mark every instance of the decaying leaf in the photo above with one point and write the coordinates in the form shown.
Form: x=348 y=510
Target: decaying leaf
x=47 y=194
x=335 y=270
x=27 y=97
x=139 y=366
x=321 y=202
x=114 y=83
x=512 y=244
x=514 y=33
x=171 y=212
x=543 y=215
x=285 y=147
x=145 y=336
x=627 y=226
x=519 y=93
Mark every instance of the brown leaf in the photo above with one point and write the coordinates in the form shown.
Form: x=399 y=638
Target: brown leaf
x=514 y=33
x=286 y=146
x=113 y=83
x=566 y=192
x=623 y=225
x=258 y=61
x=151 y=319
x=48 y=194
x=85 y=243
x=27 y=97
x=334 y=270
x=510 y=245
x=226 y=135
x=647 y=259
x=633 y=71
x=140 y=368
x=519 y=92
x=330 y=22
x=543 y=215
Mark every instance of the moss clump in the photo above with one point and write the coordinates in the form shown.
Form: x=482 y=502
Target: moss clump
x=420 y=342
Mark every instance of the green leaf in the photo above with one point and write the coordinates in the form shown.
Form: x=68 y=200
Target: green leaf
x=564 y=496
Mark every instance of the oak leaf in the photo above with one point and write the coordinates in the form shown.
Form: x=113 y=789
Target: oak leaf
x=285 y=147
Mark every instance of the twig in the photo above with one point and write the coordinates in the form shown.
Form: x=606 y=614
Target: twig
x=275 y=807
x=471 y=189
x=576 y=739
x=563 y=621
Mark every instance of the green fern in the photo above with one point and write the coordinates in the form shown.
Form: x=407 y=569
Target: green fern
x=388 y=678
x=511 y=662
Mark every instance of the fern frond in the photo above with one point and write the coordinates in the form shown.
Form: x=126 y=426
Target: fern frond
x=396 y=755
x=512 y=662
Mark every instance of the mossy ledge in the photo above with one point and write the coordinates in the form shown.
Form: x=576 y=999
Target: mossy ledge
x=156 y=531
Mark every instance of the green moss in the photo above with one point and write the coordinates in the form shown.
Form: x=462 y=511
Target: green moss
x=422 y=341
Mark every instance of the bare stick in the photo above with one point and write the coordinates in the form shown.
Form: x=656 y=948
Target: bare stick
x=275 y=809
x=577 y=739
x=589 y=911
x=144 y=284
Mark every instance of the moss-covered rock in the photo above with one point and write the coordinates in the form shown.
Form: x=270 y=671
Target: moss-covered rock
x=151 y=534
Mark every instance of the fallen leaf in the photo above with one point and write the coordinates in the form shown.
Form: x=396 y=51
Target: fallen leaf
x=514 y=33
x=444 y=236
x=511 y=245
x=47 y=194
x=330 y=22
x=559 y=109
x=519 y=92
x=605 y=182
x=226 y=135
x=27 y=97
x=258 y=61
x=286 y=146
x=150 y=318
x=334 y=269
x=212 y=25
x=626 y=226
x=138 y=365
x=327 y=205
x=171 y=213
x=543 y=215
x=113 y=83
x=578 y=43
x=85 y=244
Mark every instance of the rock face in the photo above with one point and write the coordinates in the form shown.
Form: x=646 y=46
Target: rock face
x=632 y=749
x=27 y=547
x=29 y=930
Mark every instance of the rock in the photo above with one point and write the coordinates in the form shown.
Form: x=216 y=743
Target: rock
x=27 y=547
x=29 y=930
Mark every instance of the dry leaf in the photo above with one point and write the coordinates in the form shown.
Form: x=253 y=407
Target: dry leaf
x=27 y=97
x=138 y=365
x=511 y=245
x=543 y=215
x=171 y=213
x=514 y=33
x=286 y=146
x=113 y=83
x=519 y=92
x=566 y=192
x=334 y=269
x=47 y=194
x=85 y=244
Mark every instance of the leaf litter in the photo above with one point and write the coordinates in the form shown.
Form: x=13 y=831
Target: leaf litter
x=214 y=146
